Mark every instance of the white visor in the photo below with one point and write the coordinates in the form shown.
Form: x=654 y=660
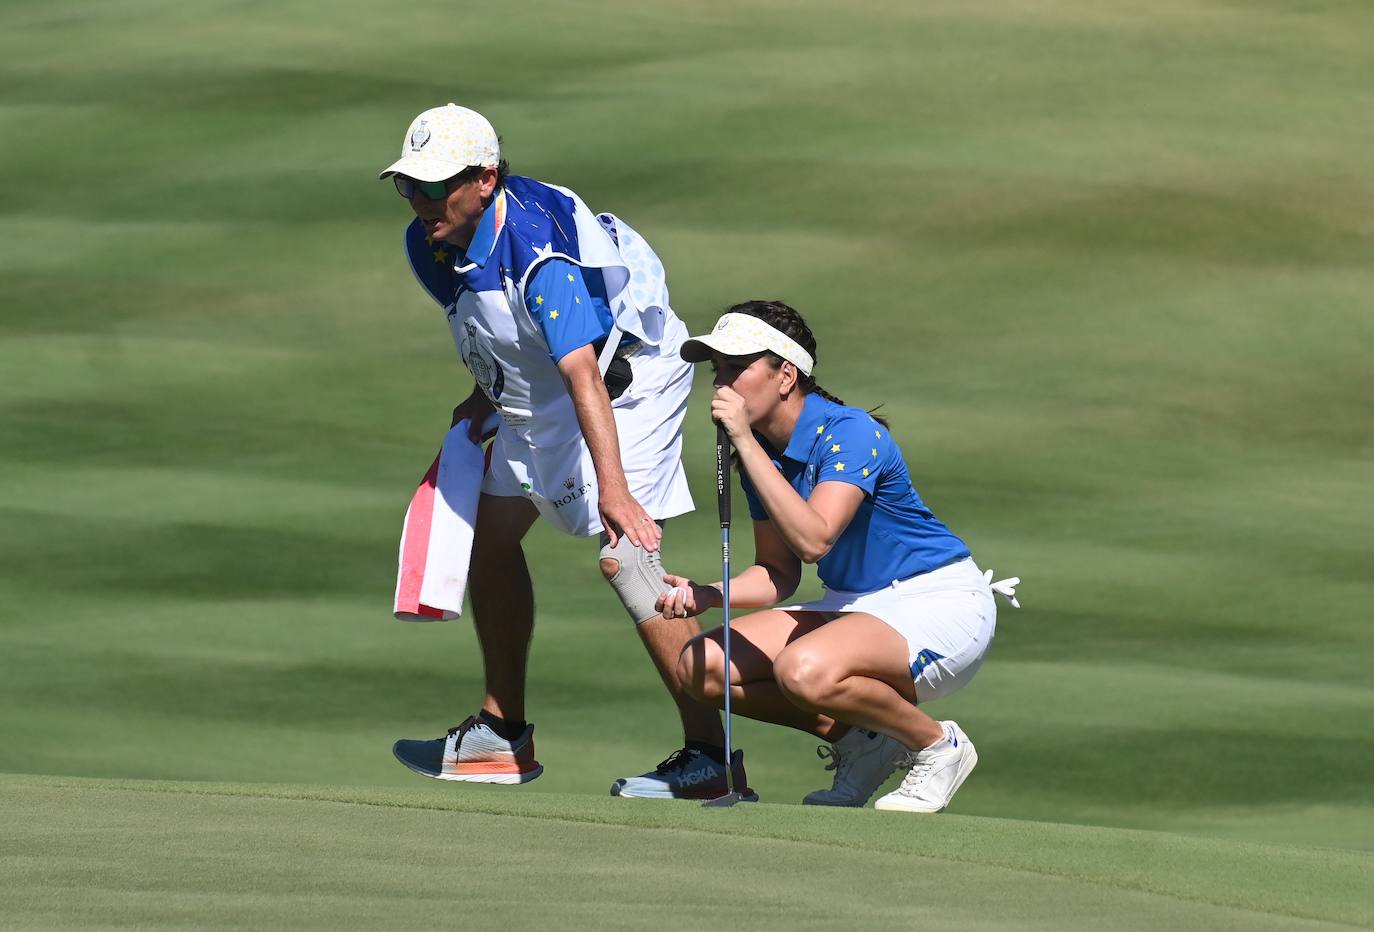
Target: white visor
x=745 y=335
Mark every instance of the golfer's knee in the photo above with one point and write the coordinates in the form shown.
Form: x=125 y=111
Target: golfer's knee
x=804 y=677
x=701 y=670
x=609 y=567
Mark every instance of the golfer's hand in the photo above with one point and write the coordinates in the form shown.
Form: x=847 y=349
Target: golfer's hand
x=476 y=408
x=729 y=410
x=621 y=514
x=686 y=599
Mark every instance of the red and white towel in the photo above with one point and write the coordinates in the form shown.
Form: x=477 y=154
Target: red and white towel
x=436 y=541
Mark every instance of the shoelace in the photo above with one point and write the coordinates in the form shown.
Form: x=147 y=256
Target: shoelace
x=1004 y=587
x=840 y=763
x=916 y=778
x=460 y=730
x=679 y=758
x=828 y=752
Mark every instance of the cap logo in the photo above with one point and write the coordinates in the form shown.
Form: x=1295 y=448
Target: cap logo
x=419 y=137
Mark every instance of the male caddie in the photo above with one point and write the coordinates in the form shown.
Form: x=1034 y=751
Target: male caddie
x=562 y=318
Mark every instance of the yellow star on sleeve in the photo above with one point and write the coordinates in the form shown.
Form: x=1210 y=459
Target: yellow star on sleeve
x=839 y=467
x=829 y=436
x=821 y=429
x=539 y=299
x=875 y=451
x=834 y=448
x=570 y=278
x=553 y=315
x=576 y=300
x=440 y=255
x=865 y=472
x=878 y=434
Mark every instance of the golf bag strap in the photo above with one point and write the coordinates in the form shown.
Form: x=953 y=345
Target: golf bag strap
x=603 y=362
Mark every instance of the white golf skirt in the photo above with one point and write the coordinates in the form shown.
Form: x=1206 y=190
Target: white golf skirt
x=947 y=616
x=561 y=479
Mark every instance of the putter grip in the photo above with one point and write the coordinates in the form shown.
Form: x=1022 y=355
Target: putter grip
x=723 y=474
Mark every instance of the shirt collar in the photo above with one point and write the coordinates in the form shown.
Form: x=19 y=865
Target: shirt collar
x=811 y=424
x=488 y=229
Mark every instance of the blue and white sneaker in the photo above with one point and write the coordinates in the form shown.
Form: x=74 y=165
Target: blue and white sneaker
x=687 y=774
x=862 y=761
x=472 y=753
x=935 y=774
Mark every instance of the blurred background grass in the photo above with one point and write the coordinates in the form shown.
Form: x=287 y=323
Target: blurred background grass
x=1107 y=269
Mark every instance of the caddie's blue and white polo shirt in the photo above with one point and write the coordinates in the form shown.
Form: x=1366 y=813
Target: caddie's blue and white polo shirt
x=570 y=305
x=893 y=535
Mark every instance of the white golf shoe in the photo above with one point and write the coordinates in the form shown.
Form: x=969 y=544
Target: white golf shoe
x=862 y=760
x=935 y=774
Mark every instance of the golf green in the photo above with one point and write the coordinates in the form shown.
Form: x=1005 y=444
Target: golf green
x=1107 y=270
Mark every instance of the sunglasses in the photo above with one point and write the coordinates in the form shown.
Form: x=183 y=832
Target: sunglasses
x=433 y=190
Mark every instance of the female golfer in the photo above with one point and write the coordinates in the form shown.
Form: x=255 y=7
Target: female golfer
x=906 y=616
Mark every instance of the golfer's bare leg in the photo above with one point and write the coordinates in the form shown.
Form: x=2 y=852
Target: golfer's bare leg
x=665 y=639
x=755 y=640
x=854 y=669
x=503 y=600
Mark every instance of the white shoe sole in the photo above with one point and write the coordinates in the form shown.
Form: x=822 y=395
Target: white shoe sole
x=895 y=802
x=507 y=779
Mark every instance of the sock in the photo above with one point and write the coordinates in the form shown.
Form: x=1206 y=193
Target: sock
x=505 y=728
x=714 y=751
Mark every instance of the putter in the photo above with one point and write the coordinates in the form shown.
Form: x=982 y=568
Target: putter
x=731 y=796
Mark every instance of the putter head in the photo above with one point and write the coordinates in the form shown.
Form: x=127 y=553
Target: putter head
x=720 y=802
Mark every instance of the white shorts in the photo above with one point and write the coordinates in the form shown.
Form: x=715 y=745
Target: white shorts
x=561 y=480
x=947 y=616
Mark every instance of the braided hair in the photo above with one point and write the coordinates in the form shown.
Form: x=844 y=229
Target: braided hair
x=783 y=318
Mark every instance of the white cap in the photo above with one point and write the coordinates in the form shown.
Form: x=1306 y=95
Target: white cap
x=443 y=141
x=745 y=335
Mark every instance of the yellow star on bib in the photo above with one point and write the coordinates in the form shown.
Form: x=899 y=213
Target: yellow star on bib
x=875 y=451
x=839 y=467
x=440 y=255
x=865 y=472
x=553 y=315
x=539 y=299
x=821 y=429
x=570 y=278
x=834 y=448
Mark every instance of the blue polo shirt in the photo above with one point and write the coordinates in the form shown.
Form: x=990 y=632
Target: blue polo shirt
x=893 y=535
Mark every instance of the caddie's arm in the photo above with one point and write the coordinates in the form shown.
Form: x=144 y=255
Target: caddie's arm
x=620 y=513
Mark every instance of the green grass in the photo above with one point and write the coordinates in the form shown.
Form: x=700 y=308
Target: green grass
x=1107 y=269
x=261 y=855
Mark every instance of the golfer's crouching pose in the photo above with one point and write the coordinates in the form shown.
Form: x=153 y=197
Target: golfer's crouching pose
x=907 y=617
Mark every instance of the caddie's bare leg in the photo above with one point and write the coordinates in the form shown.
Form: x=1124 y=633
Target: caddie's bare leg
x=502 y=601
